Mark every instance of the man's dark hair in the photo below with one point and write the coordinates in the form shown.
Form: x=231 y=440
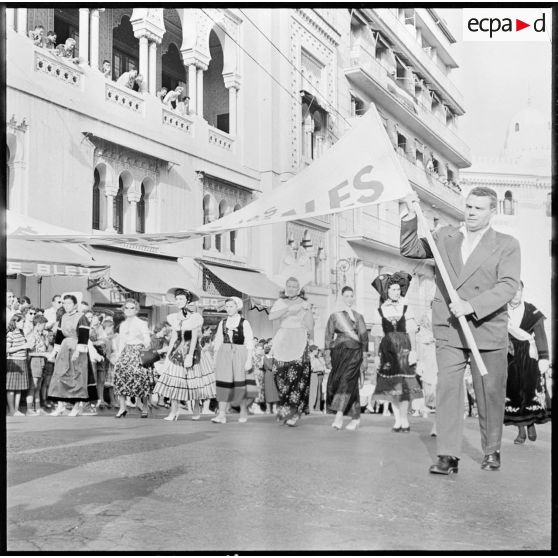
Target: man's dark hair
x=483 y=191
x=345 y=289
x=54 y=298
x=108 y=61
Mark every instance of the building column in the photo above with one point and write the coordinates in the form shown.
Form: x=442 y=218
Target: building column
x=143 y=57
x=10 y=18
x=133 y=199
x=94 y=39
x=21 y=23
x=192 y=88
x=83 y=44
x=152 y=81
x=199 y=96
x=110 y=211
x=232 y=110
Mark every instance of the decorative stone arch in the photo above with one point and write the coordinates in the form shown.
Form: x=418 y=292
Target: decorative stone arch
x=220 y=240
x=16 y=164
x=234 y=236
x=11 y=154
x=102 y=185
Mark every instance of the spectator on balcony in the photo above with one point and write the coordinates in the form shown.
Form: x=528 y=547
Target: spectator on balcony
x=183 y=107
x=107 y=69
x=161 y=94
x=139 y=84
x=38 y=35
x=66 y=50
x=430 y=166
x=128 y=79
x=50 y=41
x=172 y=97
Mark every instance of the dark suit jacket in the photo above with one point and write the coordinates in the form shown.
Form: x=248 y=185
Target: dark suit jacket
x=488 y=281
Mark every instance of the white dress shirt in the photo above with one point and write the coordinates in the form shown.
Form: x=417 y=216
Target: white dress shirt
x=470 y=241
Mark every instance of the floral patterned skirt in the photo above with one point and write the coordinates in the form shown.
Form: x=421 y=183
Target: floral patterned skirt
x=131 y=379
x=293 y=383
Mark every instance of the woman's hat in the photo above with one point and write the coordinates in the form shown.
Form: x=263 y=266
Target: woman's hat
x=383 y=282
x=175 y=291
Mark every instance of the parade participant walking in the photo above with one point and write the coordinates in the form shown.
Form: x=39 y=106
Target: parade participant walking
x=130 y=377
x=182 y=378
x=69 y=379
x=98 y=359
x=271 y=395
x=17 y=371
x=483 y=266
x=526 y=395
x=317 y=371
x=396 y=378
x=291 y=361
x=346 y=338
x=234 y=349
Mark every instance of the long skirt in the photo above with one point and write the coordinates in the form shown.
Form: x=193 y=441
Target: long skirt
x=131 y=379
x=69 y=379
x=230 y=373
x=271 y=394
x=185 y=384
x=342 y=384
x=527 y=398
x=293 y=384
x=396 y=378
x=17 y=374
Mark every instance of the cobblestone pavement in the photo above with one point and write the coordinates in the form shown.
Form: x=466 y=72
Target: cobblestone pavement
x=100 y=484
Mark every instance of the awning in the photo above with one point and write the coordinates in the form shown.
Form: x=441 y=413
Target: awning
x=143 y=273
x=261 y=290
x=45 y=259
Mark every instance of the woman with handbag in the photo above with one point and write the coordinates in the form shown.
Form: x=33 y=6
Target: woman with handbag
x=234 y=347
x=182 y=378
x=130 y=377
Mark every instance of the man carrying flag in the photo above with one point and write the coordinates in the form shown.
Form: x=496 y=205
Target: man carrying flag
x=484 y=267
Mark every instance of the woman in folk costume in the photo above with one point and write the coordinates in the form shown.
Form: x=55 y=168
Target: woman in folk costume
x=396 y=379
x=183 y=379
x=346 y=339
x=69 y=379
x=291 y=360
x=234 y=348
x=527 y=400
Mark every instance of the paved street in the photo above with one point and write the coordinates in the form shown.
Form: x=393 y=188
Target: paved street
x=98 y=484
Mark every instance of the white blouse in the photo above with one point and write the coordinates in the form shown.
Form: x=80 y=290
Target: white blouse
x=179 y=322
x=134 y=331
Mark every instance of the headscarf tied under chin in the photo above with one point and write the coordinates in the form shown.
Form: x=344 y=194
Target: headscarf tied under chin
x=300 y=293
x=383 y=282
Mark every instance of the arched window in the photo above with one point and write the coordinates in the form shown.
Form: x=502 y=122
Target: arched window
x=508 y=203
x=118 y=208
x=96 y=208
x=125 y=48
x=140 y=212
x=549 y=204
x=233 y=235
x=219 y=237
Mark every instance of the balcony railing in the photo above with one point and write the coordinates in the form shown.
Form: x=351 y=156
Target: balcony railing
x=362 y=57
x=124 y=97
x=221 y=139
x=58 y=67
x=178 y=121
x=410 y=41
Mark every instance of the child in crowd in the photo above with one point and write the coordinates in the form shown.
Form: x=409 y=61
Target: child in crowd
x=110 y=344
x=38 y=346
x=29 y=315
x=48 y=370
x=17 y=370
x=317 y=368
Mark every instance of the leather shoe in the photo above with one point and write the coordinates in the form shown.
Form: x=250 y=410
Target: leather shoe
x=491 y=462
x=446 y=465
x=520 y=436
x=531 y=433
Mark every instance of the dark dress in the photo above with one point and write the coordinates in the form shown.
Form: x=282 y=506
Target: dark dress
x=347 y=339
x=527 y=400
x=396 y=378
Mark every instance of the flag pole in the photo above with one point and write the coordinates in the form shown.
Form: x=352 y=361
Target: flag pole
x=454 y=297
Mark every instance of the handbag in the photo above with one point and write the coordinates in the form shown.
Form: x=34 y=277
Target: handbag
x=149 y=357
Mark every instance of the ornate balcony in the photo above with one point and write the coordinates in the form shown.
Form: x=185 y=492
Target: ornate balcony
x=220 y=139
x=178 y=121
x=58 y=67
x=369 y=75
x=124 y=97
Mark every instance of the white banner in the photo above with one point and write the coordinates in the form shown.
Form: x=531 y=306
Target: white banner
x=360 y=169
